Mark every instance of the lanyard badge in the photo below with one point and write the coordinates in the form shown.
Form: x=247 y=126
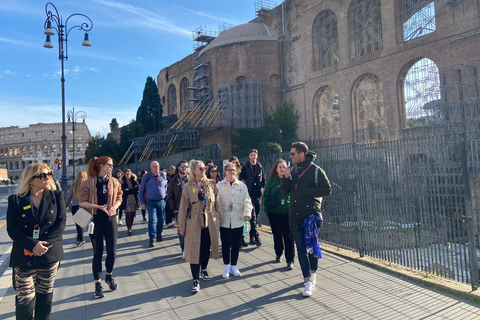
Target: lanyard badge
x=36 y=232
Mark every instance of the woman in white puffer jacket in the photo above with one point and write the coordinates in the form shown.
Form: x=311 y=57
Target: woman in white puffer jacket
x=235 y=206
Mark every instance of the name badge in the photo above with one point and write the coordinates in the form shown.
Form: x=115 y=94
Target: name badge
x=282 y=202
x=27 y=207
x=36 y=232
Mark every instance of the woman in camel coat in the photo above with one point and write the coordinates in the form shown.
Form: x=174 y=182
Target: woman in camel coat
x=199 y=222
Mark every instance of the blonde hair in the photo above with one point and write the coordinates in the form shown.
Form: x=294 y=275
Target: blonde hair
x=81 y=176
x=193 y=164
x=27 y=176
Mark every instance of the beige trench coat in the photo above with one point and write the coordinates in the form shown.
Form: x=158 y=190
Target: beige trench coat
x=191 y=221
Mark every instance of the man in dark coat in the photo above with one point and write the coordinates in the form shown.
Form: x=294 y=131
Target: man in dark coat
x=253 y=175
x=307 y=184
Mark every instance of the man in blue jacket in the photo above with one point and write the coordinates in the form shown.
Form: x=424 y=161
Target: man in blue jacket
x=307 y=184
x=154 y=187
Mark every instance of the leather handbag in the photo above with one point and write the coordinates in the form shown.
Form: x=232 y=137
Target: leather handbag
x=83 y=217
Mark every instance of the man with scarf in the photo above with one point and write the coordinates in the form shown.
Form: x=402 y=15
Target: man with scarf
x=307 y=183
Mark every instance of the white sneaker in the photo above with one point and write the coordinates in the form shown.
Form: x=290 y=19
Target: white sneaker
x=313 y=278
x=234 y=271
x=119 y=222
x=309 y=289
x=226 y=271
x=183 y=255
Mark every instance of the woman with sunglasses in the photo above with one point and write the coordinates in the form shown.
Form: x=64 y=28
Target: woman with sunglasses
x=72 y=196
x=213 y=174
x=235 y=206
x=198 y=221
x=106 y=193
x=131 y=202
x=36 y=218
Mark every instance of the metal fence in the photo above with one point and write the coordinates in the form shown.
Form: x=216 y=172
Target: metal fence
x=413 y=202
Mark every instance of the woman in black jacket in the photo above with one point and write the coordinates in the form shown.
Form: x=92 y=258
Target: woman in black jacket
x=36 y=218
x=131 y=202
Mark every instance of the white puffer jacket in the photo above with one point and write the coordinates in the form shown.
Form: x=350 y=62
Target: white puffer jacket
x=234 y=203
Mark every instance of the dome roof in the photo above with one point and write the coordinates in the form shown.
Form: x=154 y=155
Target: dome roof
x=242 y=33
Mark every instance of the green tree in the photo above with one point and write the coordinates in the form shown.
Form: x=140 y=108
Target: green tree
x=265 y=139
x=113 y=125
x=149 y=114
x=286 y=117
x=99 y=146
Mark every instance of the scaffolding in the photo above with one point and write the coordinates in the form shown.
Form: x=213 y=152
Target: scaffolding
x=370 y=112
x=202 y=37
x=244 y=107
x=327 y=114
x=420 y=84
x=263 y=7
x=365 y=27
x=415 y=18
x=325 y=40
x=224 y=26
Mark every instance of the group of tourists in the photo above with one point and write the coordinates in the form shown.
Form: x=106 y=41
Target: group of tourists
x=208 y=211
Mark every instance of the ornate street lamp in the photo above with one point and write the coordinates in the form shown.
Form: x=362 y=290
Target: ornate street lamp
x=72 y=118
x=54 y=23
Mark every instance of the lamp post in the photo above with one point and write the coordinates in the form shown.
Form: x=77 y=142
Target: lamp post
x=55 y=22
x=72 y=118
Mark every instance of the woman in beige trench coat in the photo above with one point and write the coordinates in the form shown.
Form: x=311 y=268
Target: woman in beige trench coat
x=199 y=222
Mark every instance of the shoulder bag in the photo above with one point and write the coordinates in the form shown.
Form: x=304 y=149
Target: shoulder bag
x=83 y=217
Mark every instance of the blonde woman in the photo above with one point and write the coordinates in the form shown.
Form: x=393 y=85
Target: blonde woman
x=198 y=221
x=72 y=196
x=235 y=206
x=107 y=198
x=36 y=218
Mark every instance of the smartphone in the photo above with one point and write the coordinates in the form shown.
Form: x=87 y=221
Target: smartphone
x=49 y=245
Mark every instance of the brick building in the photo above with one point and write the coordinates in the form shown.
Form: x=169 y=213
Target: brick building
x=41 y=142
x=356 y=70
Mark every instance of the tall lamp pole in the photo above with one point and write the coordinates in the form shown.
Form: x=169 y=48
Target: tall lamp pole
x=72 y=118
x=54 y=23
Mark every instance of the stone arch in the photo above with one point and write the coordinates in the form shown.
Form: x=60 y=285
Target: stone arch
x=274 y=81
x=419 y=93
x=184 y=95
x=364 y=27
x=325 y=40
x=172 y=99
x=326 y=114
x=369 y=112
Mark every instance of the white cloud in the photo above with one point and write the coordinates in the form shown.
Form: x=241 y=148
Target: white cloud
x=93 y=69
x=76 y=69
x=9 y=73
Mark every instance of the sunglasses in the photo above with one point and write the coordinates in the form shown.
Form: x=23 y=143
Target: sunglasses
x=201 y=168
x=184 y=166
x=230 y=170
x=214 y=171
x=44 y=176
x=109 y=164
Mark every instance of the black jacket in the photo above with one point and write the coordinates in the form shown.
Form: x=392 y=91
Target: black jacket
x=21 y=222
x=133 y=190
x=306 y=199
x=174 y=192
x=254 y=178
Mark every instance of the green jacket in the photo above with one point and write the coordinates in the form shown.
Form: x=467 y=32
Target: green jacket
x=273 y=188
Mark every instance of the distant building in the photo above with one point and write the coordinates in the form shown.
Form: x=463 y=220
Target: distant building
x=41 y=142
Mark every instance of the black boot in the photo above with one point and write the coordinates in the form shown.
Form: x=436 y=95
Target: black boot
x=43 y=307
x=24 y=311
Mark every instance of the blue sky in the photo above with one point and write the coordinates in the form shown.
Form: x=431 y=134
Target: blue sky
x=130 y=41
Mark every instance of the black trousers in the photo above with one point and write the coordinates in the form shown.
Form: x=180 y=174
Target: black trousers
x=254 y=219
x=231 y=244
x=79 y=229
x=281 y=236
x=205 y=244
x=105 y=227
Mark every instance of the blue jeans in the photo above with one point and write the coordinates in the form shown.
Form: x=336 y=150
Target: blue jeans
x=181 y=239
x=307 y=261
x=156 y=216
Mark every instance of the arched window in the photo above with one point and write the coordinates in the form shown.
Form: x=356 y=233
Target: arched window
x=172 y=99
x=326 y=116
x=365 y=27
x=370 y=125
x=419 y=83
x=184 y=95
x=414 y=18
x=325 y=40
